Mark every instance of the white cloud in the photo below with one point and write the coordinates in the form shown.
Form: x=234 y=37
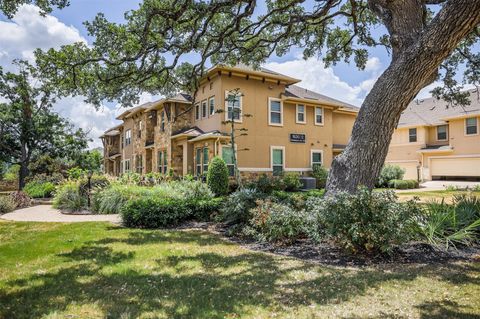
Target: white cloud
x=28 y=30
x=323 y=80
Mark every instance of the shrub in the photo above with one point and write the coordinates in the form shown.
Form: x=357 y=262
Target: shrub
x=320 y=173
x=110 y=200
x=388 y=173
x=236 y=208
x=367 y=221
x=11 y=175
x=217 y=176
x=21 y=199
x=204 y=208
x=76 y=173
x=7 y=204
x=69 y=197
x=292 y=182
x=403 y=184
x=266 y=184
x=149 y=212
x=275 y=222
x=130 y=178
x=39 y=189
x=296 y=200
x=96 y=182
x=448 y=225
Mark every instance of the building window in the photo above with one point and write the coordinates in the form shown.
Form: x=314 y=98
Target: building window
x=162 y=121
x=128 y=137
x=162 y=162
x=139 y=164
x=126 y=166
x=471 y=126
x=234 y=107
x=275 y=109
x=197 y=111
x=301 y=114
x=211 y=85
x=412 y=135
x=198 y=162
x=139 y=129
x=442 y=133
x=121 y=143
x=227 y=155
x=204 y=108
x=205 y=159
x=317 y=158
x=211 y=105
x=318 y=115
x=277 y=160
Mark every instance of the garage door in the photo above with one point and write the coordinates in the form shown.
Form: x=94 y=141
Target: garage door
x=461 y=166
x=409 y=167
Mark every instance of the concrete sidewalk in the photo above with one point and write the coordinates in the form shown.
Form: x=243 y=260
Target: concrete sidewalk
x=46 y=213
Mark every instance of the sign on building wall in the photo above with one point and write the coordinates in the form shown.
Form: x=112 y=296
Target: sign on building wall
x=297 y=138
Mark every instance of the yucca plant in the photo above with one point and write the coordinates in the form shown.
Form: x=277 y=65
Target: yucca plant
x=446 y=225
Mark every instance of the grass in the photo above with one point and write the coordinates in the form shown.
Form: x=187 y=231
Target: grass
x=95 y=270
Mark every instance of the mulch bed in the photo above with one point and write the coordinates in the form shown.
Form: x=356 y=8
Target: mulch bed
x=329 y=254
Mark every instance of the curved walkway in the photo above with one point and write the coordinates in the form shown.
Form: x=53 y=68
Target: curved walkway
x=46 y=213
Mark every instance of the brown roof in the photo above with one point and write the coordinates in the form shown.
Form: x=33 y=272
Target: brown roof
x=298 y=92
x=431 y=111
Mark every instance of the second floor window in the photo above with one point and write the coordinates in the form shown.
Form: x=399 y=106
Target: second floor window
x=471 y=126
x=162 y=121
x=412 y=135
x=301 y=113
x=275 y=112
x=139 y=129
x=318 y=115
x=442 y=133
x=204 y=108
x=211 y=106
x=128 y=137
x=234 y=107
x=197 y=111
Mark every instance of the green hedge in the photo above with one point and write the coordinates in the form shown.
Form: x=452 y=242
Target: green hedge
x=403 y=184
x=151 y=212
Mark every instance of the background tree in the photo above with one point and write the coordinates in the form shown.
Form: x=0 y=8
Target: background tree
x=428 y=40
x=28 y=126
x=10 y=7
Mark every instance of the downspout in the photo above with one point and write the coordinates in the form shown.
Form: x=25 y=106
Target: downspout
x=216 y=149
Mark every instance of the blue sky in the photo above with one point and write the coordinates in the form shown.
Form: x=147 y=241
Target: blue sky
x=27 y=31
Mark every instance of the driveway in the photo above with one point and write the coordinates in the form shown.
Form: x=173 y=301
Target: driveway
x=440 y=185
x=46 y=213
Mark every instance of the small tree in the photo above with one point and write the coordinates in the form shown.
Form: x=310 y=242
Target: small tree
x=217 y=176
x=235 y=113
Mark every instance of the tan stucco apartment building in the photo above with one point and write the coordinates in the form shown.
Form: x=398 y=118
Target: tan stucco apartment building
x=436 y=141
x=290 y=128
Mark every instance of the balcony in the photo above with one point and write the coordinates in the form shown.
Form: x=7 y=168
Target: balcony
x=149 y=142
x=113 y=151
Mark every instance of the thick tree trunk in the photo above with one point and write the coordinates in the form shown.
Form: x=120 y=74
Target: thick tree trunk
x=414 y=65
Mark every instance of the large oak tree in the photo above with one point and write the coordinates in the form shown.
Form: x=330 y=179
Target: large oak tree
x=427 y=39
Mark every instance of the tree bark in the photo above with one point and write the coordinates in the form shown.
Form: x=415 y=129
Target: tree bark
x=414 y=65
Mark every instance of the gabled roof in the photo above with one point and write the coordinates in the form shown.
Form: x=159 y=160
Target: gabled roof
x=187 y=132
x=294 y=91
x=179 y=98
x=430 y=111
x=134 y=110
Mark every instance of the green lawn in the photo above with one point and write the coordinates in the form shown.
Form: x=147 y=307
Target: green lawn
x=437 y=195
x=95 y=270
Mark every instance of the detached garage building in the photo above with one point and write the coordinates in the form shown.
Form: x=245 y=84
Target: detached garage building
x=435 y=140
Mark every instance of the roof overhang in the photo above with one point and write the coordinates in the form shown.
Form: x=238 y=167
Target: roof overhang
x=249 y=74
x=114 y=156
x=460 y=117
x=208 y=137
